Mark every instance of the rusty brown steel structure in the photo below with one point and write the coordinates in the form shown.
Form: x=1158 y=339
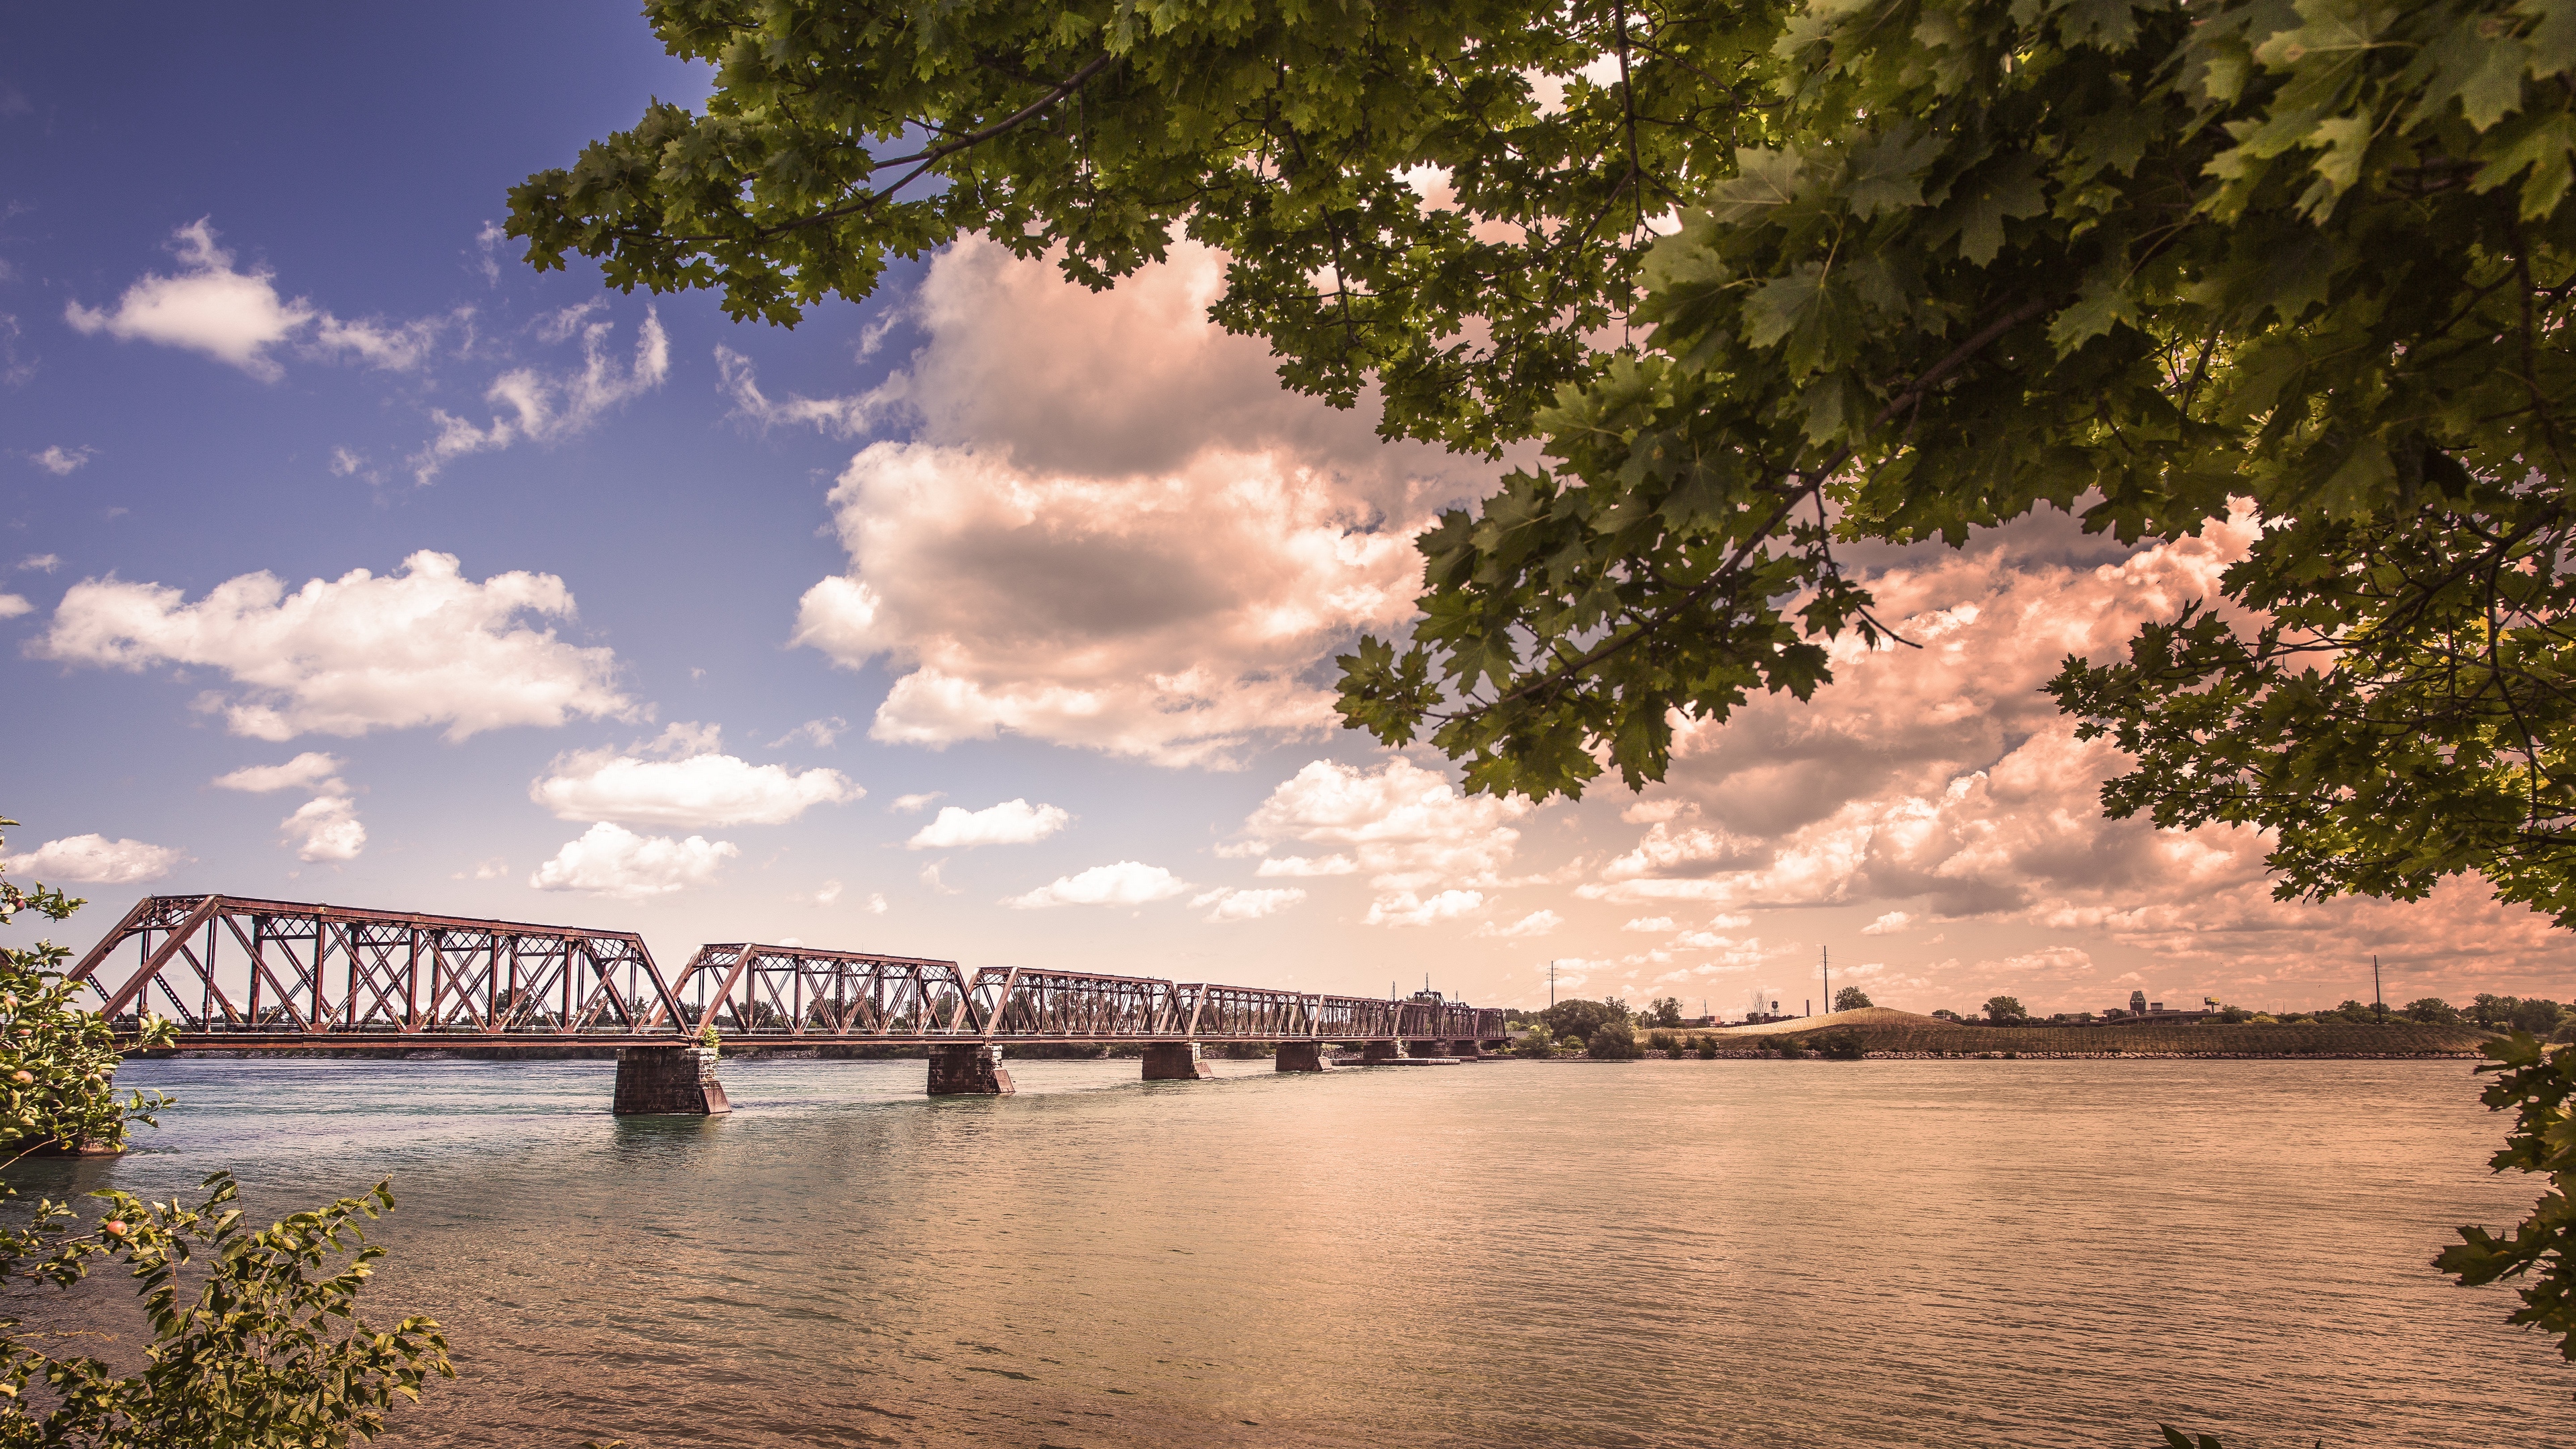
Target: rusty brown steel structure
x=241 y=972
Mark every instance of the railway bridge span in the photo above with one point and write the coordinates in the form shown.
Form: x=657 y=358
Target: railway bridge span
x=242 y=973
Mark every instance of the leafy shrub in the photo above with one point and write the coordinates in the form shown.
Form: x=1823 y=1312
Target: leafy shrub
x=1663 y=1041
x=1841 y=1046
x=1707 y=1049
x=1789 y=1048
x=1614 y=1041
x=1851 y=998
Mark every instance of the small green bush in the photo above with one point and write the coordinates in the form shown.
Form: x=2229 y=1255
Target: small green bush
x=1663 y=1041
x=1708 y=1049
x=1614 y=1041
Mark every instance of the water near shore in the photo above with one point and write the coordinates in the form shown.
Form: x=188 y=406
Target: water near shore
x=1656 y=1253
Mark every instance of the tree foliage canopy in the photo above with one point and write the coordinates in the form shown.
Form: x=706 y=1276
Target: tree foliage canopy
x=1769 y=278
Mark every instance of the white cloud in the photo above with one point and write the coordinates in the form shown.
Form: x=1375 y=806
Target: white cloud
x=61 y=461
x=876 y=905
x=238 y=317
x=95 y=860
x=13 y=605
x=609 y=860
x=1404 y=908
x=1536 y=923
x=1126 y=883
x=208 y=307
x=846 y=417
x=1648 y=923
x=421 y=646
x=345 y=462
x=1408 y=827
x=43 y=563
x=1113 y=529
x=539 y=406
x=492 y=869
x=908 y=804
x=310 y=770
x=1013 y=822
x=325 y=828
x=1890 y=924
x=816 y=732
x=1307 y=865
x=1241 y=905
x=692 y=786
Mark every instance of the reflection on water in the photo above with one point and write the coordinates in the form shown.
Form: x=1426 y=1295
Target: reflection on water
x=1759 y=1253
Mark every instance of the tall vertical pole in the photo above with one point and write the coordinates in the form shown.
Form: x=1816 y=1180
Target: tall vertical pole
x=1829 y=977
x=2378 y=997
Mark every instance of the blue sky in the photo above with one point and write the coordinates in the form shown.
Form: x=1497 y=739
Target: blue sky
x=986 y=539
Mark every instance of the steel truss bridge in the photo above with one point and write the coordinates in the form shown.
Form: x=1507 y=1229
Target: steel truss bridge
x=241 y=973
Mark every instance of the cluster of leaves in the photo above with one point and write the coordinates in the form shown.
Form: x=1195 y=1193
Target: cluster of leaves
x=2537 y=1084
x=1302 y=139
x=252 y=1358
x=1851 y=998
x=2006 y=1009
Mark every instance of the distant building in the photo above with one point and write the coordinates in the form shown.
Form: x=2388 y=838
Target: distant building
x=2137 y=1003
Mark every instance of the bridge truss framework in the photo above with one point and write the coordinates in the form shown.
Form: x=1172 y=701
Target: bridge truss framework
x=240 y=972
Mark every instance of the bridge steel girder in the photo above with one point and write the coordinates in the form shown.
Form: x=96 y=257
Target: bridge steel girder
x=748 y=990
x=248 y=972
x=230 y=965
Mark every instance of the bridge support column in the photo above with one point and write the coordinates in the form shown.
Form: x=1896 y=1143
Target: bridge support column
x=968 y=1071
x=1423 y=1048
x=1175 y=1062
x=1372 y=1053
x=1467 y=1051
x=1304 y=1056
x=668 y=1081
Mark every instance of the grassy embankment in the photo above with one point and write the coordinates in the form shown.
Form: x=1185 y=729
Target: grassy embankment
x=1884 y=1030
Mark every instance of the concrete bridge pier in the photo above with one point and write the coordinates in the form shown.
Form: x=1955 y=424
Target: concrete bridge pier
x=972 y=1070
x=1304 y=1056
x=1467 y=1051
x=1175 y=1062
x=1374 y=1052
x=667 y=1081
x=1426 y=1048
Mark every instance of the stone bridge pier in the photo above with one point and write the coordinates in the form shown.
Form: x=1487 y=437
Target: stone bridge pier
x=1304 y=1056
x=658 y=1081
x=1175 y=1062
x=972 y=1070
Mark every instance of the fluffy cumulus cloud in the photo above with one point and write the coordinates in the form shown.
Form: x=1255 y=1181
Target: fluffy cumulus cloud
x=60 y=461
x=610 y=860
x=13 y=605
x=94 y=860
x=1941 y=785
x=239 y=317
x=682 y=779
x=1430 y=852
x=1013 y=822
x=423 y=645
x=310 y=770
x=324 y=828
x=1112 y=528
x=547 y=405
x=1125 y=883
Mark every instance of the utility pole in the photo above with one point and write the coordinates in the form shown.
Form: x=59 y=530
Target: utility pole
x=1551 y=983
x=1829 y=977
x=2378 y=997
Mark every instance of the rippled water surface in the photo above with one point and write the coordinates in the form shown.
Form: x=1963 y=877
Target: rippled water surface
x=1759 y=1253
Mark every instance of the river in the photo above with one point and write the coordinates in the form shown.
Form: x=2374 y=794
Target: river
x=1655 y=1253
